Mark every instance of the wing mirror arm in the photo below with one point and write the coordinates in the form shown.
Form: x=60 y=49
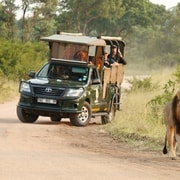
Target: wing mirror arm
x=32 y=74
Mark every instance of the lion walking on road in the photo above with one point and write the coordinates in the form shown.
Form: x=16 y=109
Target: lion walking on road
x=172 y=122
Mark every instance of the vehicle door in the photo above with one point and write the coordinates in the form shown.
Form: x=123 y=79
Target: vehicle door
x=96 y=90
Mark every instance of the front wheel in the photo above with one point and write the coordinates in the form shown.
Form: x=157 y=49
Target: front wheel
x=83 y=118
x=110 y=116
x=26 y=117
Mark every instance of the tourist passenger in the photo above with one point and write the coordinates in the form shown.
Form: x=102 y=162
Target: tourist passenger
x=114 y=58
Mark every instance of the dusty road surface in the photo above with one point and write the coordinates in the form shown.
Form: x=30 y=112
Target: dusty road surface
x=46 y=150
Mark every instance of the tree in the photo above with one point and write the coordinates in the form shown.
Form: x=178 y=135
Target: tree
x=7 y=12
x=25 y=6
x=82 y=16
x=139 y=13
x=171 y=29
x=38 y=18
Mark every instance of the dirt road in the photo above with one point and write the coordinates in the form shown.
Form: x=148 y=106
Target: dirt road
x=46 y=150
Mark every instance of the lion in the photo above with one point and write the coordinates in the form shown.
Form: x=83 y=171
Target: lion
x=172 y=122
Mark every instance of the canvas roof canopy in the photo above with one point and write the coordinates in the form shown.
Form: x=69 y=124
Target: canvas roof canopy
x=77 y=39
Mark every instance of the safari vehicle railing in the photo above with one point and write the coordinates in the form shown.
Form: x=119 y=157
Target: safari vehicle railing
x=114 y=76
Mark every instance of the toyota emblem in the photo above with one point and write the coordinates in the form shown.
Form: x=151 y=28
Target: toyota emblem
x=48 y=89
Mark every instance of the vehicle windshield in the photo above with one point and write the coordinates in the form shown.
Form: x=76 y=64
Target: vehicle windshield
x=64 y=72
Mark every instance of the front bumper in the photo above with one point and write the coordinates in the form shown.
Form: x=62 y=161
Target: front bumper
x=63 y=106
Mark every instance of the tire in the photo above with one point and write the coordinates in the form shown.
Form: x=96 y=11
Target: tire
x=110 y=116
x=26 y=117
x=83 y=118
x=55 y=118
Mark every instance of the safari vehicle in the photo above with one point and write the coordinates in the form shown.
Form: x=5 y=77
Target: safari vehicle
x=66 y=87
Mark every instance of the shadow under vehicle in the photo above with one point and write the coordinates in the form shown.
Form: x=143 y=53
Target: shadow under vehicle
x=67 y=87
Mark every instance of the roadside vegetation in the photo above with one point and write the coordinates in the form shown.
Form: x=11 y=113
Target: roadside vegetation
x=16 y=60
x=140 y=123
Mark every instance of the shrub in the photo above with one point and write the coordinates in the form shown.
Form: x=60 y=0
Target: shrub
x=17 y=59
x=144 y=83
x=177 y=74
x=156 y=104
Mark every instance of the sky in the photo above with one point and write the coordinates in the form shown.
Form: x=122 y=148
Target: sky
x=167 y=3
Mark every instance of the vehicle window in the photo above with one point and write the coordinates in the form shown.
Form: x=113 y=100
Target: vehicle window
x=59 y=72
x=63 y=72
x=107 y=49
x=78 y=70
x=95 y=74
x=71 y=49
x=44 y=71
x=92 y=50
x=79 y=74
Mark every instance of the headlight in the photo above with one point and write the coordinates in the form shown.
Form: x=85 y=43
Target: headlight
x=25 y=87
x=73 y=92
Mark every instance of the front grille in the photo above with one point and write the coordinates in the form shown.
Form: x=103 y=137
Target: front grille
x=48 y=91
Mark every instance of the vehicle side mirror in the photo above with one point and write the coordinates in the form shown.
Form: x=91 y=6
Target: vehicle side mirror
x=31 y=74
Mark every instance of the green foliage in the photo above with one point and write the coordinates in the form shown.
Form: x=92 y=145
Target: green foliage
x=139 y=13
x=177 y=74
x=41 y=21
x=17 y=59
x=2 y=80
x=141 y=84
x=156 y=104
x=33 y=56
x=83 y=16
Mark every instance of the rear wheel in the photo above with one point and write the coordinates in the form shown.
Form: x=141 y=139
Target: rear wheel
x=26 y=117
x=110 y=116
x=83 y=118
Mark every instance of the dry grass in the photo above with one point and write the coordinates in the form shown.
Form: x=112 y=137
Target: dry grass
x=134 y=124
x=8 y=91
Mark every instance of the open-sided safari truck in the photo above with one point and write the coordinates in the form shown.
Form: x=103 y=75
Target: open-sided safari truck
x=73 y=83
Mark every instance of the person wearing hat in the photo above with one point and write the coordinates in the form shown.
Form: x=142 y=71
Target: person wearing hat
x=114 y=58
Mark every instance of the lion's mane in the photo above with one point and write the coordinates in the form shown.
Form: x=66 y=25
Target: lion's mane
x=176 y=111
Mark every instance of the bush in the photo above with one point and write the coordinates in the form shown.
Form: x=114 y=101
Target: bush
x=177 y=74
x=141 y=84
x=17 y=59
x=32 y=58
x=156 y=104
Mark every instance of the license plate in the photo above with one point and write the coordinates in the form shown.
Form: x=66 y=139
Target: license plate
x=47 y=101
